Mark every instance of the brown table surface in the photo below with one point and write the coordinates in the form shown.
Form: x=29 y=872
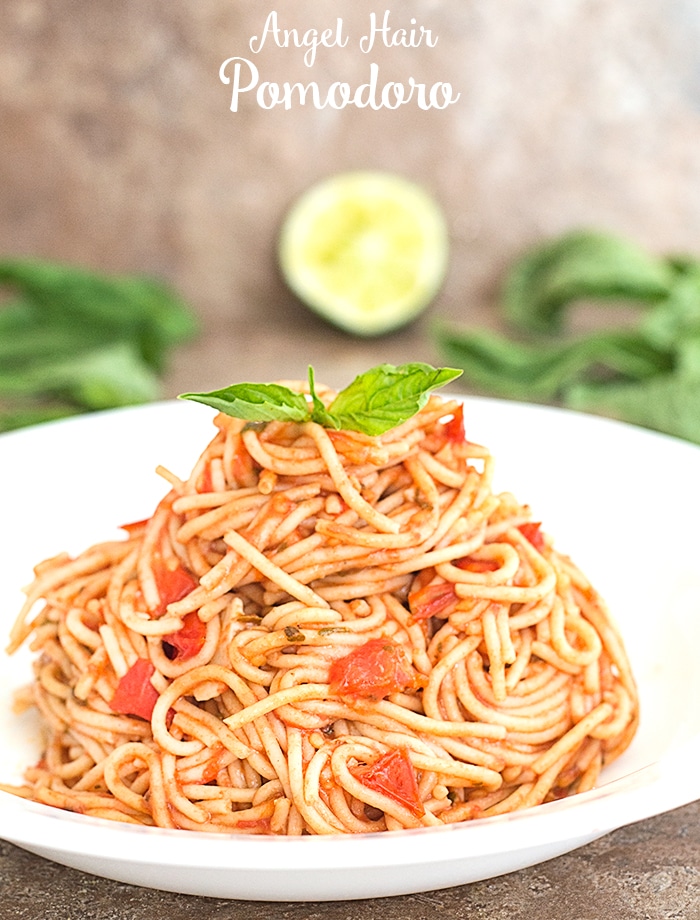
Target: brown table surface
x=648 y=870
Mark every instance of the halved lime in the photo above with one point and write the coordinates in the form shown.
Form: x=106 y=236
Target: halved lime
x=366 y=250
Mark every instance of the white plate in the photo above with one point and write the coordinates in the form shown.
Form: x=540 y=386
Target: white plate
x=623 y=502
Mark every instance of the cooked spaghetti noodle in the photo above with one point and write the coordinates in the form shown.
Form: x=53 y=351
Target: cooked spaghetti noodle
x=322 y=632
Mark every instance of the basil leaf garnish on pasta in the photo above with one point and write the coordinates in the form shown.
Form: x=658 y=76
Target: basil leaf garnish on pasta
x=256 y=402
x=375 y=402
x=386 y=396
x=319 y=413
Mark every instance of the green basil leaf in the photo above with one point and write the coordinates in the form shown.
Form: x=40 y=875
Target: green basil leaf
x=668 y=403
x=141 y=310
x=670 y=322
x=256 y=402
x=386 y=396
x=73 y=339
x=523 y=370
x=34 y=412
x=577 y=265
x=375 y=401
x=319 y=413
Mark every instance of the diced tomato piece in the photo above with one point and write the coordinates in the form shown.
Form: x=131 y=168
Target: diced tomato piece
x=134 y=526
x=372 y=671
x=173 y=583
x=431 y=600
x=454 y=427
x=189 y=639
x=393 y=776
x=470 y=564
x=531 y=531
x=205 y=484
x=135 y=694
x=243 y=465
x=254 y=826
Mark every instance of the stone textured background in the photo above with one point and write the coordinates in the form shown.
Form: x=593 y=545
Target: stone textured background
x=119 y=150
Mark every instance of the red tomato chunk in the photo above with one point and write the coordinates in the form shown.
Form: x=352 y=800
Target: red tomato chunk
x=372 y=671
x=189 y=640
x=135 y=694
x=431 y=600
x=531 y=531
x=454 y=427
x=173 y=583
x=393 y=776
x=470 y=564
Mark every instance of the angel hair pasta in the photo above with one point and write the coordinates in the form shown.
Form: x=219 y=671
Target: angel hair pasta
x=324 y=632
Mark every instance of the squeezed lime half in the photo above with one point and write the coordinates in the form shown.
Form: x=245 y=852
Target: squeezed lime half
x=367 y=251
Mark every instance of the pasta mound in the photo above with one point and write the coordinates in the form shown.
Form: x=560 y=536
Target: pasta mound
x=322 y=632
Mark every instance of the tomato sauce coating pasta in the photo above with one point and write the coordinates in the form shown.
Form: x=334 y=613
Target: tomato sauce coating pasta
x=323 y=632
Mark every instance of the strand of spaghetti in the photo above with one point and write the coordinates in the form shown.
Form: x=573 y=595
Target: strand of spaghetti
x=365 y=585
x=305 y=510
x=439 y=727
x=314 y=821
x=420 y=526
x=544 y=651
x=275 y=700
x=595 y=611
x=506 y=640
x=219 y=580
x=622 y=715
x=203 y=793
x=158 y=804
x=502 y=555
x=125 y=755
x=352 y=823
x=312 y=790
x=111 y=724
x=496 y=656
x=342 y=481
x=546 y=690
x=276 y=756
x=99 y=557
x=80 y=631
x=257 y=650
x=590 y=644
x=440 y=671
x=545 y=719
x=321 y=564
x=182 y=686
x=139 y=621
x=573 y=737
x=302 y=501
x=197 y=501
x=242 y=666
x=550 y=685
x=144 y=562
x=176 y=796
x=268 y=569
x=295 y=614
x=237 y=513
x=294 y=465
x=509 y=594
x=460 y=774
x=439 y=471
